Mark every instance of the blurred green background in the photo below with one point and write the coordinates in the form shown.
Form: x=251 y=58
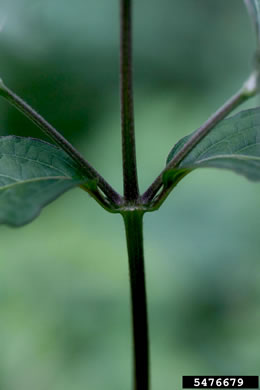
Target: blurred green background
x=64 y=291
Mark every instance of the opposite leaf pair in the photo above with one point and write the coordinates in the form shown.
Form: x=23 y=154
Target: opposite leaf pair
x=33 y=173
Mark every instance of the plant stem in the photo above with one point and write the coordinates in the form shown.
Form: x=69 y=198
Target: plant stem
x=249 y=89
x=131 y=191
x=48 y=129
x=133 y=220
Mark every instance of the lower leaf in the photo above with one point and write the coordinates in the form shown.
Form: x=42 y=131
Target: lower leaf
x=33 y=173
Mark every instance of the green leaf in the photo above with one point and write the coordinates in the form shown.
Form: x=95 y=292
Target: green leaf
x=253 y=7
x=33 y=173
x=233 y=144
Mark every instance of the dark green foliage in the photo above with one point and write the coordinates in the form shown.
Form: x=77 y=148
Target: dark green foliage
x=233 y=144
x=32 y=174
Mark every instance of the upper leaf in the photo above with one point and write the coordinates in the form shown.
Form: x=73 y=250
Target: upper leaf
x=233 y=144
x=32 y=174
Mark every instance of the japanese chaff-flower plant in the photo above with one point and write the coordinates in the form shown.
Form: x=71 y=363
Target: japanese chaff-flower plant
x=33 y=173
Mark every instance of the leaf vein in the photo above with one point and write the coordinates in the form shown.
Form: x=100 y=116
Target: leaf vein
x=38 y=179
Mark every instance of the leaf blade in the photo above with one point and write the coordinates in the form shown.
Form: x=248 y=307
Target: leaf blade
x=33 y=173
x=233 y=144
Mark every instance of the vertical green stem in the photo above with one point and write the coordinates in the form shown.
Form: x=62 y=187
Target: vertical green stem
x=133 y=220
x=131 y=191
x=133 y=217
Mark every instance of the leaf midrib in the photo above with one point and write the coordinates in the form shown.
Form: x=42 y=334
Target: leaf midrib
x=38 y=179
x=225 y=139
x=34 y=161
x=228 y=156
